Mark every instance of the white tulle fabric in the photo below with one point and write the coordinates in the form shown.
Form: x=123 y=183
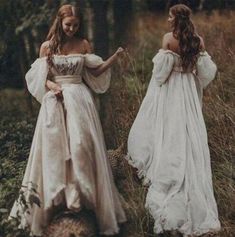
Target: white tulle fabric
x=168 y=145
x=68 y=161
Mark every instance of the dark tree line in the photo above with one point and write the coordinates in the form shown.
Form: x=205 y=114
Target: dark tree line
x=208 y=5
x=24 y=25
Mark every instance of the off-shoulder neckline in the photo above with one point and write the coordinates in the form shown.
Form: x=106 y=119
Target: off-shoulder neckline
x=169 y=51
x=68 y=55
x=174 y=53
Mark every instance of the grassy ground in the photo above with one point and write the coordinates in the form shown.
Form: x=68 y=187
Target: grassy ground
x=129 y=85
x=131 y=81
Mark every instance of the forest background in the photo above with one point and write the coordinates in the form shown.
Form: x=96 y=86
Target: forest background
x=138 y=26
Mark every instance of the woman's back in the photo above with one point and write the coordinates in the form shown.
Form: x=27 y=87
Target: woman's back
x=168 y=140
x=172 y=43
x=170 y=150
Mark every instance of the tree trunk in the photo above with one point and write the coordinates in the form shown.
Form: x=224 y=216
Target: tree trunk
x=24 y=66
x=101 y=45
x=31 y=50
x=122 y=13
x=101 y=27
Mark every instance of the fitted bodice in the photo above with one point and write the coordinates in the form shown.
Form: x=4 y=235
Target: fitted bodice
x=177 y=63
x=67 y=65
x=68 y=69
x=177 y=59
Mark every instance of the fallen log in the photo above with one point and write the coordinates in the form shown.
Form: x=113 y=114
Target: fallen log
x=72 y=224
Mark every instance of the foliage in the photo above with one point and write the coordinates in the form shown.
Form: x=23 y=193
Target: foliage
x=130 y=81
x=25 y=23
x=24 y=26
x=16 y=131
x=129 y=87
x=218 y=4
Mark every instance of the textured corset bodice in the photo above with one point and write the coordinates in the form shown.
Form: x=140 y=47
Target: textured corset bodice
x=67 y=69
x=67 y=65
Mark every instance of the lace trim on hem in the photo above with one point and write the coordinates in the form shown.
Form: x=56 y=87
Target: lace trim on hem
x=142 y=173
x=159 y=230
x=160 y=227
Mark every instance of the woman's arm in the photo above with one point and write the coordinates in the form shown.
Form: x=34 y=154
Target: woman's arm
x=50 y=84
x=202 y=44
x=106 y=64
x=55 y=88
x=44 y=49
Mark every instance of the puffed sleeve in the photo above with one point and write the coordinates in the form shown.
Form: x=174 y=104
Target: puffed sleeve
x=163 y=63
x=36 y=78
x=205 y=69
x=101 y=83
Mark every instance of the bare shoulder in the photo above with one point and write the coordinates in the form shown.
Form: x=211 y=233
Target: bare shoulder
x=167 y=39
x=202 y=44
x=44 y=49
x=82 y=46
x=168 y=36
x=87 y=46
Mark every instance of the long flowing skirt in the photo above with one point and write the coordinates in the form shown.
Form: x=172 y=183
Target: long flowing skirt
x=168 y=144
x=68 y=163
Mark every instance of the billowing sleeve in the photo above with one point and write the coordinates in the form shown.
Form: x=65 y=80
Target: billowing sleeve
x=205 y=69
x=36 y=78
x=101 y=83
x=163 y=63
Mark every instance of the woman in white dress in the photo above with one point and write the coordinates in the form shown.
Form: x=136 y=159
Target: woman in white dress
x=168 y=140
x=68 y=161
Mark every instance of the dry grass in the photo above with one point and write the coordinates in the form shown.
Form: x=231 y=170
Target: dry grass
x=132 y=78
x=128 y=88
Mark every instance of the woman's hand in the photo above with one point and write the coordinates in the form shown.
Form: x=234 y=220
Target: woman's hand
x=58 y=92
x=55 y=88
x=108 y=63
x=120 y=51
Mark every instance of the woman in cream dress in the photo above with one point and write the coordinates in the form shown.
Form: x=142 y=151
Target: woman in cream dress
x=168 y=140
x=68 y=161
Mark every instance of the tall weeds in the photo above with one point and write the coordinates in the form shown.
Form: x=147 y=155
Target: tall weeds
x=130 y=83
